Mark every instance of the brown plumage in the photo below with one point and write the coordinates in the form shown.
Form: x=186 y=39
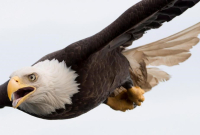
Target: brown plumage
x=100 y=62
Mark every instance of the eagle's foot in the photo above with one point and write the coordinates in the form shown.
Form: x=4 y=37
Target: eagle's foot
x=120 y=102
x=135 y=94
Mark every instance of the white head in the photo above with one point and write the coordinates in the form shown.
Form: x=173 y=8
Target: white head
x=43 y=88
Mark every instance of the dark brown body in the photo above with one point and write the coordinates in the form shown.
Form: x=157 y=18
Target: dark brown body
x=99 y=76
x=98 y=60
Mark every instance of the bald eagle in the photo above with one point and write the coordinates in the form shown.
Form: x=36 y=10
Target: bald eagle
x=100 y=69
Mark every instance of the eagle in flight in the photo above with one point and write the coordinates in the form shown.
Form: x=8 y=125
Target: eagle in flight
x=100 y=69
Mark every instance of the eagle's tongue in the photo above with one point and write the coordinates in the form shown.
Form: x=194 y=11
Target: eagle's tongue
x=14 y=103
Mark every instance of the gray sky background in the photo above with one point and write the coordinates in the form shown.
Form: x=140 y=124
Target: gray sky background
x=31 y=29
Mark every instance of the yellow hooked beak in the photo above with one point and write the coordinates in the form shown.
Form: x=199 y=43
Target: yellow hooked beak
x=18 y=92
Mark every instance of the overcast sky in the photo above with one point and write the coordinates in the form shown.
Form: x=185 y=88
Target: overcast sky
x=31 y=29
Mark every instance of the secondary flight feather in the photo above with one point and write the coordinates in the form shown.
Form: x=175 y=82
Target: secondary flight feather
x=99 y=69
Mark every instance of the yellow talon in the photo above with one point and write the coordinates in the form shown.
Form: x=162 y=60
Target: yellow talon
x=135 y=94
x=126 y=99
x=120 y=102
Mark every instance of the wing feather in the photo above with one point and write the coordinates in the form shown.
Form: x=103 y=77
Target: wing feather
x=169 y=51
x=172 y=50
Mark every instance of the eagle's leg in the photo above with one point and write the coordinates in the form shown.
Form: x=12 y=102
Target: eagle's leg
x=120 y=102
x=135 y=93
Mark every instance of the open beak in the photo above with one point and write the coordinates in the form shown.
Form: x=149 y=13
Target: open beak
x=18 y=92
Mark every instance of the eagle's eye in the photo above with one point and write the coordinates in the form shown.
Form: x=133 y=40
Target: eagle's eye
x=32 y=77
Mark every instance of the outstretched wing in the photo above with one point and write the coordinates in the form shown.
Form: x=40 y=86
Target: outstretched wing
x=169 y=51
x=130 y=26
